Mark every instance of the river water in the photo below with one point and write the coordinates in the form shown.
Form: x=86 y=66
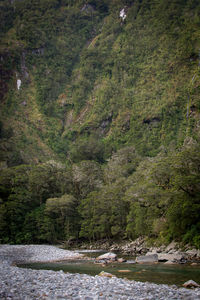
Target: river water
x=156 y=273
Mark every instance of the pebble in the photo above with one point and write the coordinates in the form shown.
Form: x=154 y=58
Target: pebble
x=19 y=284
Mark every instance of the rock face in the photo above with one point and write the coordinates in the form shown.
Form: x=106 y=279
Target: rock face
x=193 y=253
x=147 y=259
x=107 y=256
x=171 y=247
x=190 y=284
x=136 y=247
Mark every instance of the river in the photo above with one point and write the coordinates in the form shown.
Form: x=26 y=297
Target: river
x=156 y=273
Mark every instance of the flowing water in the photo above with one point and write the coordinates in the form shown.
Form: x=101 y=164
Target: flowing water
x=157 y=273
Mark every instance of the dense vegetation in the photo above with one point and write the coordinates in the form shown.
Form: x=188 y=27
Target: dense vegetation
x=101 y=139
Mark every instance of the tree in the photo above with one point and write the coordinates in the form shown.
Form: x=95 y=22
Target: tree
x=122 y=164
x=63 y=217
x=87 y=177
x=104 y=213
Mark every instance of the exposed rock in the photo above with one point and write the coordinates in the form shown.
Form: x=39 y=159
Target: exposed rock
x=137 y=246
x=147 y=258
x=175 y=257
x=169 y=262
x=172 y=246
x=131 y=261
x=19 y=82
x=190 y=284
x=152 y=251
x=20 y=283
x=192 y=252
x=107 y=256
x=106 y=274
x=121 y=260
x=122 y=14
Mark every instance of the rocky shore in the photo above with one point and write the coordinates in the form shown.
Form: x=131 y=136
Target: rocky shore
x=172 y=253
x=24 y=284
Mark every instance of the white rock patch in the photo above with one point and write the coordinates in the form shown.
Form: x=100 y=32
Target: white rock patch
x=19 y=82
x=122 y=14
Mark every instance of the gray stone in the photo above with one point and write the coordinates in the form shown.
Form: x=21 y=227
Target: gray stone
x=107 y=256
x=172 y=246
x=131 y=261
x=192 y=252
x=190 y=284
x=176 y=257
x=18 y=283
x=121 y=260
x=147 y=258
x=106 y=274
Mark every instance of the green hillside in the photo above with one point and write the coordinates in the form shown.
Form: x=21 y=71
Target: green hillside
x=100 y=114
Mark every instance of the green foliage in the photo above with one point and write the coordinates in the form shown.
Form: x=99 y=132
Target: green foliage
x=63 y=216
x=7 y=16
x=117 y=102
x=90 y=148
x=122 y=164
x=23 y=191
x=104 y=213
x=87 y=176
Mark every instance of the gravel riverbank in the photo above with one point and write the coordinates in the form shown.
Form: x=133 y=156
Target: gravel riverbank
x=24 y=284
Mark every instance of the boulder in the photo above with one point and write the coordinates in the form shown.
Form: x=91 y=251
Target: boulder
x=105 y=274
x=107 y=256
x=147 y=258
x=131 y=261
x=190 y=284
x=192 y=252
x=121 y=260
x=175 y=257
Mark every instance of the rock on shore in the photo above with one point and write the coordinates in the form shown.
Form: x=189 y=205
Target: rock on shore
x=24 y=284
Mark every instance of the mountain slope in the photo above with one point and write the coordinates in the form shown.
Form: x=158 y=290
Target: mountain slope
x=105 y=94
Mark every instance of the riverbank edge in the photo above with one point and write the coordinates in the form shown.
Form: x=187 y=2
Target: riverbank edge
x=140 y=246
x=27 y=283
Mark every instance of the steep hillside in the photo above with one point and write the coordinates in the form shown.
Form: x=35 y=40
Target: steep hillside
x=105 y=93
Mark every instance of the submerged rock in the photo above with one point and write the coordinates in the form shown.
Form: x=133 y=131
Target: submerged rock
x=124 y=271
x=147 y=258
x=106 y=274
x=131 y=261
